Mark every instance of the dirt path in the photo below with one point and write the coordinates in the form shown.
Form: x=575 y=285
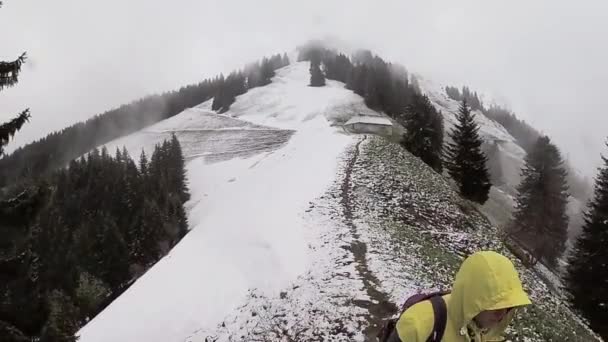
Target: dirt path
x=379 y=307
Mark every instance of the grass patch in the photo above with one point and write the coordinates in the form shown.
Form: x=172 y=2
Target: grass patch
x=422 y=218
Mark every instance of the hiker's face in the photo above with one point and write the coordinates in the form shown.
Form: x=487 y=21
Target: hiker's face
x=489 y=318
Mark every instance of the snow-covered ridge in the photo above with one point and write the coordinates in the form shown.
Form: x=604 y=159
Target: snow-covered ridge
x=279 y=200
x=246 y=211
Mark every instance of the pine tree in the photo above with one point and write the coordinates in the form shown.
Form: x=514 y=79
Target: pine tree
x=466 y=162
x=112 y=254
x=89 y=294
x=587 y=276
x=9 y=76
x=371 y=90
x=10 y=333
x=453 y=93
x=143 y=163
x=15 y=214
x=63 y=319
x=540 y=222
x=147 y=234
x=218 y=99
x=266 y=72
x=358 y=79
x=178 y=170
x=317 y=79
x=254 y=75
x=424 y=137
x=285 y=60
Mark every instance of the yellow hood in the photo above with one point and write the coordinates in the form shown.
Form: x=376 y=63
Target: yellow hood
x=485 y=281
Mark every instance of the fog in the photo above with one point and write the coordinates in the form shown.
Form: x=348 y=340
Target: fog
x=543 y=59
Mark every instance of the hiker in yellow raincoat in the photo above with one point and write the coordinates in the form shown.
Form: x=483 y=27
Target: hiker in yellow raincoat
x=485 y=296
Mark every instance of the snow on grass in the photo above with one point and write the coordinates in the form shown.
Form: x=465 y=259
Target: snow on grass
x=268 y=258
x=248 y=232
x=419 y=231
x=318 y=305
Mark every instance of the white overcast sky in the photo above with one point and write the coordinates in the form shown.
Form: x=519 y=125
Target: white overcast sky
x=545 y=58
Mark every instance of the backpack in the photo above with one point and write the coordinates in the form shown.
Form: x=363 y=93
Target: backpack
x=439 y=310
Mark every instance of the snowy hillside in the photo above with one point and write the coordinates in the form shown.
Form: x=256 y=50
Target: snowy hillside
x=246 y=212
x=501 y=147
x=301 y=232
x=505 y=158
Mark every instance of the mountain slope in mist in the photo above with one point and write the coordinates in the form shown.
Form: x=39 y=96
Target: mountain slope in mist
x=299 y=231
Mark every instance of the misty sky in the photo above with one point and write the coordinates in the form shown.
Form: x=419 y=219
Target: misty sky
x=546 y=59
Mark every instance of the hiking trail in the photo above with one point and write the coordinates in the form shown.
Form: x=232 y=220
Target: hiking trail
x=379 y=306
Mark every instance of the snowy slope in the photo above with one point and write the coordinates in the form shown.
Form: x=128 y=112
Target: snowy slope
x=499 y=144
x=505 y=156
x=505 y=159
x=203 y=133
x=247 y=211
x=288 y=102
x=300 y=232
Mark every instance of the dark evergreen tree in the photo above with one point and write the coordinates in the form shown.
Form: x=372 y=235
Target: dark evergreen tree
x=358 y=80
x=89 y=295
x=113 y=262
x=63 y=319
x=424 y=137
x=10 y=333
x=363 y=57
x=587 y=276
x=34 y=159
x=284 y=60
x=18 y=315
x=466 y=162
x=220 y=95
x=525 y=134
x=89 y=241
x=9 y=76
x=453 y=93
x=177 y=170
x=253 y=73
x=372 y=91
x=317 y=79
x=228 y=89
x=337 y=67
x=540 y=222
x=143 y=163
x=23 y=310
x=266 y=71
x=147 y=235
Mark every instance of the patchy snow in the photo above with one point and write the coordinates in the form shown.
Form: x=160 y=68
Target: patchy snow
x=418 y=231
x=252 y=230
x=298 y=229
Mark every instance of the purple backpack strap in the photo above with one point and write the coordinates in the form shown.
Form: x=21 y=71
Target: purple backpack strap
x=440 y=312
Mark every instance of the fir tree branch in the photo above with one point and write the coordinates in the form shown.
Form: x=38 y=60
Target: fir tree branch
x=8 y=129
x=9 y=71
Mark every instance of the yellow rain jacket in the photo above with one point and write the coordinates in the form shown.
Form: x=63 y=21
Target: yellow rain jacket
x=485 y=281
